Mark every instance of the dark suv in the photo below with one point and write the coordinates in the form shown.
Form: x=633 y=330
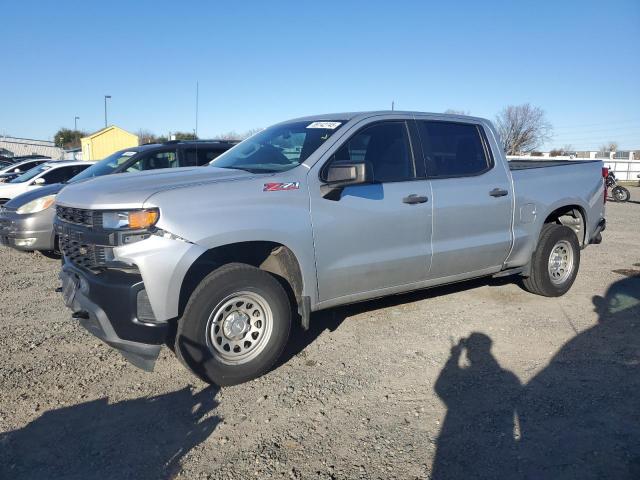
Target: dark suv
x=26 y=221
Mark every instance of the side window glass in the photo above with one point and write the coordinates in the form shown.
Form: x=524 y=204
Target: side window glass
x=154 y=161
x=190 y=157
x=452 y=149
x=58 y=175
x=385 y=147
x=199 y=156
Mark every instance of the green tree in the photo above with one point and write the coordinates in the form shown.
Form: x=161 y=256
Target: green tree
x=67 y=138
x=185 y=136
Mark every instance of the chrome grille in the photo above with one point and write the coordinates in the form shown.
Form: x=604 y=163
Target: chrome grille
x=79 y=216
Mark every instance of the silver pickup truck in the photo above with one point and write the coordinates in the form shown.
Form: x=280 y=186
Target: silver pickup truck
x=218 y=262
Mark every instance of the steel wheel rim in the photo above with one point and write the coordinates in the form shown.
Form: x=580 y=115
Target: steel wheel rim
x=239 y=327
x=561 y=261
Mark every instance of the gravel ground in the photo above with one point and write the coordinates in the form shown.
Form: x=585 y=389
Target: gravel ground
x=541 y=388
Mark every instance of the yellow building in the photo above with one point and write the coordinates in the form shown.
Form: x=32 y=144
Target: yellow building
x=104 y=142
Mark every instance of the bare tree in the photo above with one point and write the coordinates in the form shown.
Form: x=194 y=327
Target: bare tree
x=233 y=135
x=145 y=136
x=522 y=128
x=609 y=147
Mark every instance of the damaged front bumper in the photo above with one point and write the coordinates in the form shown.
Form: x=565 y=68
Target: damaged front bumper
x=109 y=305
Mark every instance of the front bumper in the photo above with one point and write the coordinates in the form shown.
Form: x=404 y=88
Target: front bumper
x=27 y=232
x=106 y=305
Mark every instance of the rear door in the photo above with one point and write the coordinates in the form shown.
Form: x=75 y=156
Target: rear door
x=373 y=236
x=472 y=199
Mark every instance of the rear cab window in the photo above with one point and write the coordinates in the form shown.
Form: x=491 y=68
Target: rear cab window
x=453 y=149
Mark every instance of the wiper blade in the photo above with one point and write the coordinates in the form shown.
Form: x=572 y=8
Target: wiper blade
x=251 y=170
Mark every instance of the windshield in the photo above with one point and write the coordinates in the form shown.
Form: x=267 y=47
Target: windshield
x=29 y=174
x=278 y=148
x=105 y=166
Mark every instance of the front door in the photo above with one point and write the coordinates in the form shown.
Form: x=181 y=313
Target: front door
x=373 y=236
x=472 y=199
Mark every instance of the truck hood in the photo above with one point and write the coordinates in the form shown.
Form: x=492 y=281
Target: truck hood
x=130 y=190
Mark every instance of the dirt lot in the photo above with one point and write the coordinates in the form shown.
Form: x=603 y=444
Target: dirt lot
x=550 y=388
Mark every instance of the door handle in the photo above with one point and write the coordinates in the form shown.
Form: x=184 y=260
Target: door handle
x=413 y=199
x=498 y=192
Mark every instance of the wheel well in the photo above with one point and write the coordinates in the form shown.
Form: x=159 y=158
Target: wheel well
x=271 y=257
x=573 y=217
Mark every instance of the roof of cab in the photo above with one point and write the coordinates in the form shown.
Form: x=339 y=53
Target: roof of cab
x=348 y=116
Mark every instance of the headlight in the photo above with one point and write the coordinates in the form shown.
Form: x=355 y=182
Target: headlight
x=37 y=205
x=131 y=219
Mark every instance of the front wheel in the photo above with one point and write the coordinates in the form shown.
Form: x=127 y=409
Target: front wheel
x=620 y=194
x=555 y=262
x=235 y=325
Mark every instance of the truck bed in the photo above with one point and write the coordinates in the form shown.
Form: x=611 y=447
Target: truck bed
x=527 y=164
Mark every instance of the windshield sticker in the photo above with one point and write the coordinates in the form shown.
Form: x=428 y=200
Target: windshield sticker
x=279 y=187
x=128 y=154
x=325 y=125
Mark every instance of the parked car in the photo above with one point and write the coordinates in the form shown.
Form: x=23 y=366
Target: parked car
x=26 y=221
x=310 y=214
x=13 y=170
x=44 y=174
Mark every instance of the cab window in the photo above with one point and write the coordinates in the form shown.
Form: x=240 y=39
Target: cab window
x=154 y=161
x=198 y=156
x=385 y=147
x=452 y=149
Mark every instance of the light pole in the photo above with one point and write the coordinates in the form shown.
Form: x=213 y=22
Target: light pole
x=105 y=110
x=75 y=124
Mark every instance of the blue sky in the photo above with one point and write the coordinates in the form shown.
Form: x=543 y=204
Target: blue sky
x=261 y=62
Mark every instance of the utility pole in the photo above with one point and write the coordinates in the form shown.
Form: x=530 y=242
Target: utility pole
x=196 y=131
x=75 y=124
x=393 y=105
x=105 y=110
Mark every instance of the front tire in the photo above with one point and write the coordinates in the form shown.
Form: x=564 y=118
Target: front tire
x=620 y=194
x=555 y=262
x=235 y=325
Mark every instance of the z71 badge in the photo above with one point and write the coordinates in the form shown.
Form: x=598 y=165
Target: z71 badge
x=278 y=187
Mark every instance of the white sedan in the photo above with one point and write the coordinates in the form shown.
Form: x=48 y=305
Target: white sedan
x=15 y=169
x=44 y=174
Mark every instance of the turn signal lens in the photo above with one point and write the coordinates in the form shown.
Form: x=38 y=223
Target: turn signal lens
x=143 y=218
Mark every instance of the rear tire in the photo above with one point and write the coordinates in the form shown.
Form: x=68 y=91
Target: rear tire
x=555 y=262
x=620 y=194
x=235 y=325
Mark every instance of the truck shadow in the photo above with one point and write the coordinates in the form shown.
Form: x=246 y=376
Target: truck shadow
x=144 y=438
x=331 y=319
x=577 y=418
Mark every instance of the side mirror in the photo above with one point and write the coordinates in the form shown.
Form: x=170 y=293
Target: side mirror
x=39 y=181
x=343 y=174
x=340 y=175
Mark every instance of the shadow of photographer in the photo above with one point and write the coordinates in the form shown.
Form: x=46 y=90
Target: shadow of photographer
x=577 y=418
x=143 y=438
